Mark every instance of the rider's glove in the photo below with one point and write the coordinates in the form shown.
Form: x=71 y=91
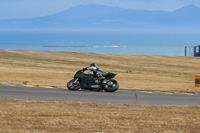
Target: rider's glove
x=84 y=69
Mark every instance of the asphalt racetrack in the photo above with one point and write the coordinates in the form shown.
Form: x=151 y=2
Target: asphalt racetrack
x=120 y=96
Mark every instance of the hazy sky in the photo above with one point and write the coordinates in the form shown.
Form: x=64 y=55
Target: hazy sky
x=35 y=8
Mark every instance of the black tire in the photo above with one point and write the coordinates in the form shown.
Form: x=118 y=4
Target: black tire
x=73 y=86
x=111 y=88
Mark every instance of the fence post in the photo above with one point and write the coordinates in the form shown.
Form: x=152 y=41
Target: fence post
x=199 y=51
x=185 y=51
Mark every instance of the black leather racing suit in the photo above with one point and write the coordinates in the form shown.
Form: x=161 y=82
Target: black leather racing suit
x=97 y=71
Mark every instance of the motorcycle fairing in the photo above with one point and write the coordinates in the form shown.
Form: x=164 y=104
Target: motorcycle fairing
x=86 y=80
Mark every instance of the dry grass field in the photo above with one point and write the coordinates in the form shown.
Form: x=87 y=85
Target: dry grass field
x=39 y=116
x=135 y=72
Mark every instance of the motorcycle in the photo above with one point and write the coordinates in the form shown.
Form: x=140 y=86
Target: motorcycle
x=93 y=82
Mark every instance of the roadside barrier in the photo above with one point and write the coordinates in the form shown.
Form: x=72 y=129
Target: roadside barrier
x=197 y=80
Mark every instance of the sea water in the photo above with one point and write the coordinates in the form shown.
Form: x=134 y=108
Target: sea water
x=101 y=42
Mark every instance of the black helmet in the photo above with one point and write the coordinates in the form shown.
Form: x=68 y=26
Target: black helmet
x=94 y=65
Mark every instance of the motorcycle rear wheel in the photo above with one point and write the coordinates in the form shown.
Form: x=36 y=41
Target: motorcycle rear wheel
x=113 y=87
x=73 y=85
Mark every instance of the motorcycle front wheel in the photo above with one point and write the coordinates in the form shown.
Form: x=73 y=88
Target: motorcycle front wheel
x=112 y=86
x=73 y=85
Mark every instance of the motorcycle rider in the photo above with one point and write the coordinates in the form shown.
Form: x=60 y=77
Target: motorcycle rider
x=97 y=71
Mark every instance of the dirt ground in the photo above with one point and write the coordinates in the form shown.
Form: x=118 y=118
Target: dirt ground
x=66 y=117
x=134 y=72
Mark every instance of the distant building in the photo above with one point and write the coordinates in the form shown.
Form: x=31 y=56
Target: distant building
x=192 y=51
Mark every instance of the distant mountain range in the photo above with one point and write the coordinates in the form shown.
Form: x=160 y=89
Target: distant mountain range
x=99 y=17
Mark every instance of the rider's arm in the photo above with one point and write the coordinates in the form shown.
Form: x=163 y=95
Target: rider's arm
x=90 y=68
